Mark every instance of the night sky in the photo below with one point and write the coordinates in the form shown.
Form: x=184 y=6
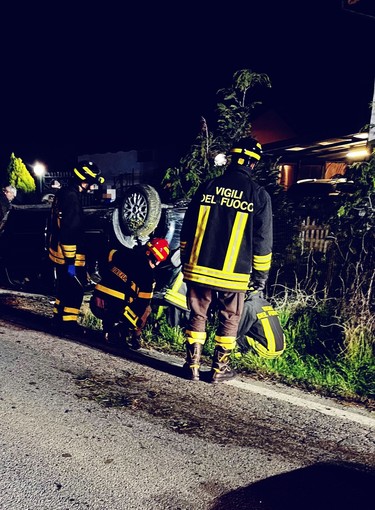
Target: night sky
x=110 y=77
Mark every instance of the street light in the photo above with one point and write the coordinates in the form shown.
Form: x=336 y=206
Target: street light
x=39 y=171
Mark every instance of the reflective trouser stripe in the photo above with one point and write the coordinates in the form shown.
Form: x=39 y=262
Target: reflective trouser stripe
x=263 y=351
x=195 y=337
x=226 y=342
x=131 y=316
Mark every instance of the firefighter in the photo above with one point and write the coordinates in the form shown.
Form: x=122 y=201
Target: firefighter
x=226 y=236
x=122 y=297
x=260 y=330
x=66 y=245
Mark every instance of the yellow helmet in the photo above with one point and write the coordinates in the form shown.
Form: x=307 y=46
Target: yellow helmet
x=87 y=171
x=246 y=151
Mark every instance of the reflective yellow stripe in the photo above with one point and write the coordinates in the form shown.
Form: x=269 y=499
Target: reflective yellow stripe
x=263 y=351
x=226 y=342
x=69 y=247
x=204 y=212
x=58 y=257
x=216 y=278
x=67 y=318
x=131 y=316
x=56 y=260
x=88 y=171
x=111 y=292
x=145 y=295
x=174 y=295
x=176 y=298
x=248 y=153
x=67 y=309
x=262 y=262
x=235 y=241
x=110 y=256
x=268 y=333
x=195 y=337
x=157 y=252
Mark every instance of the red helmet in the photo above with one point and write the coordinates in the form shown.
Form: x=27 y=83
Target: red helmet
x=158 y=249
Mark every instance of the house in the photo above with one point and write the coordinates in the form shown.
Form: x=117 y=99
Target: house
x=310 y=167
x=302 y=157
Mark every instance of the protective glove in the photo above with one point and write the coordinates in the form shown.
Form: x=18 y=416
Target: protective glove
x=71 y=268
x=256 y=288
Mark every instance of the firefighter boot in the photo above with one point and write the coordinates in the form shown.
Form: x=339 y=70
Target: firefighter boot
x=192 y=364
x=221 y=370
x=136 y=340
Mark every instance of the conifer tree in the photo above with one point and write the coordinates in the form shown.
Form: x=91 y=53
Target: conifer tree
x=19 y=176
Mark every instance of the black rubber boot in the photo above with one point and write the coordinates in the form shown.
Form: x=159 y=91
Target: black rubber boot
x=221 y=370
x=192 y=364
x=115 y=334
x=72 y=328
x=136 y=341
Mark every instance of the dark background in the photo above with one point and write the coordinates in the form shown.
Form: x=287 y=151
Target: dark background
x=83 y=78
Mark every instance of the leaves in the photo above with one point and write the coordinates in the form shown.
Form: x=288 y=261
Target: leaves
x=234 y=113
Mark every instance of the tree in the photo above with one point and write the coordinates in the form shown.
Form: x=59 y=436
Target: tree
x=354 y=238
x=234 y=122
x=19 y=176
x=236 y=108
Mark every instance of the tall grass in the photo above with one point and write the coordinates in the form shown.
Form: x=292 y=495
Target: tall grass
x=322 y=355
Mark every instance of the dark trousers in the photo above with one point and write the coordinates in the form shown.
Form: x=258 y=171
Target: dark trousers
x=229 y=304
x=69 y=294
x=111 y=313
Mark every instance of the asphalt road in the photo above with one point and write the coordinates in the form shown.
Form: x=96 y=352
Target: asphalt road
x=86 y=427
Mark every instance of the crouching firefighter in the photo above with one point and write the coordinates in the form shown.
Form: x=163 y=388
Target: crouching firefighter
x=122 y=297
x=260 y=330
x=226 y=236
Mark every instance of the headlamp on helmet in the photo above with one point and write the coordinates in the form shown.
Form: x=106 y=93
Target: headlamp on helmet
x=157 y=249
x=87 y=171
x=246 y=151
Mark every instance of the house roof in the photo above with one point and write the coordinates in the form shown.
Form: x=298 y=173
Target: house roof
x=279 y=139
x=319 y=149
x=270 y=127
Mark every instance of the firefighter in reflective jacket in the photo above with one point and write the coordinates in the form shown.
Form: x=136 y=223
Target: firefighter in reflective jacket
x=66 y=245
x=260 y=330
x=226 y=236
x=122 y=298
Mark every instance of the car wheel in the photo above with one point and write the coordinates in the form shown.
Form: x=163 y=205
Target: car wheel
x=138 y=214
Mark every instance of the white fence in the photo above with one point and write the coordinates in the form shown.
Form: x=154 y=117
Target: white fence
x=313 y=236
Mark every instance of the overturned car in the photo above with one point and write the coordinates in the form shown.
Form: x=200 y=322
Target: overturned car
x=25 y=265
x=130 y=221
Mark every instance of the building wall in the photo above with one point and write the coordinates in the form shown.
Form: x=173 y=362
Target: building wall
x=115 y=164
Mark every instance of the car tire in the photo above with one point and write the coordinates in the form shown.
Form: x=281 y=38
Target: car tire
x=137 y=215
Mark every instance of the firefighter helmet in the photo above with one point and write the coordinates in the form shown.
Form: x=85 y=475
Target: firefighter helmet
x=246 y=151
x=87 y=171
x=157 y=249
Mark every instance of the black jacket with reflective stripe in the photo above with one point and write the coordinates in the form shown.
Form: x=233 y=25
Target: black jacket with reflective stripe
x=66 y=228
x=227 y=232
x=127 y=280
